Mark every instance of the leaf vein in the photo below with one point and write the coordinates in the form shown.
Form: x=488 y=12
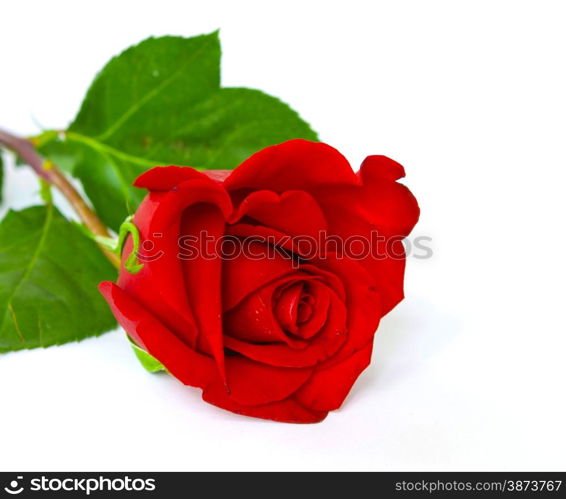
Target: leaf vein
x=111 y=130
x=15 y=321
x=29 y=268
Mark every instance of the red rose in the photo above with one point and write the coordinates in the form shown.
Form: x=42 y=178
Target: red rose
x=279 y=331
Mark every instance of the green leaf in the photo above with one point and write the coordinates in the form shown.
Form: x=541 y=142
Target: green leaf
x=1 y=178
x=160 y=103
x=147 y=82
x=49 y=273
x=232 y=124
x=148 y=361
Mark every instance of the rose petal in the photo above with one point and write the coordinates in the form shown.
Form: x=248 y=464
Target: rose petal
x=284 y=411
x=286 y=308
x=327 y=388
x=149 y=333
x=318 y=311
x=203 y=279
x=246 y=272
x=293 y=212
x=165 y=178
x=383 y=212
x=386 y=270
x=157 y=284
x=329 y=278
x=389 y=205
x=254 y=383
x=295 y=164
x=286 y=245
x=381 y=167
x=198 y=190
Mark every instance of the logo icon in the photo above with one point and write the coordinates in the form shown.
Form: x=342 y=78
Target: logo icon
x=13 y=487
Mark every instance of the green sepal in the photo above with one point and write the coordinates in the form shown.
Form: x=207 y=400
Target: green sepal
x=116 y=246
x=131 y=264
x=148 y=361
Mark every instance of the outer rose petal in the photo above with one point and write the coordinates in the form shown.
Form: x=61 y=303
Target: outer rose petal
x=180 y=360
x=165 y=178
x=203 y=279
x=327 y=388
x=380 y=207
x=284 y=411
x=253 y=383
x=388 y=272
x=293 y=165
x=199 y=190
x=390 y=206
x=160 y=285
x=170 y=307
x=381 y=167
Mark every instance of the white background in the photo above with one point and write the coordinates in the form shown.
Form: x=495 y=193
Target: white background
x=469 y=371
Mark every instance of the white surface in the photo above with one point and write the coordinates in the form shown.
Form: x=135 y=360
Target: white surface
x=469 y=370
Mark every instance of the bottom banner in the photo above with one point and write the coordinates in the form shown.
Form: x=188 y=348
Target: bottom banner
x=185 y=485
